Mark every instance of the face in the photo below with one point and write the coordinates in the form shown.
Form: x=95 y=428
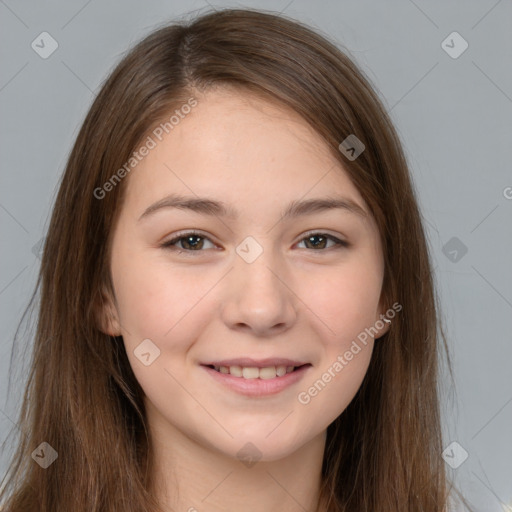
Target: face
x=241 y=323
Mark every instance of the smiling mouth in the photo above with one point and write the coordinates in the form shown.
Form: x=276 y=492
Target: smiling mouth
x=252 y=372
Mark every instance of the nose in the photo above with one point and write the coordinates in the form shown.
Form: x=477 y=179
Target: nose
x=258 y=298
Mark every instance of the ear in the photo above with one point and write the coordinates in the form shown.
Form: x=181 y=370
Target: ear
x=382 y=321
x=107 y=317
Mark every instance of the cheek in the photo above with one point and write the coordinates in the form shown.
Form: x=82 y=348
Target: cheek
x=347 y=303
x=167 y=306
x=157 y=301
x=333 y=388
x=344 y=302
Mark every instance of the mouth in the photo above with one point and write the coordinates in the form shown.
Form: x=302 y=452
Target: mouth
x=256 y=372
x=256 y=379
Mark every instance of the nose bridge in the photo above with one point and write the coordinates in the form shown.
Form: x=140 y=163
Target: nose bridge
x=257 y=269
x=257 y=295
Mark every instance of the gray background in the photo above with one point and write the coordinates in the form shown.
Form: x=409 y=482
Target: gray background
x=454 y=116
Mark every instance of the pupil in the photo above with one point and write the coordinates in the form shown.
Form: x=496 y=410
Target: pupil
x=316 y=236
x=189 y=238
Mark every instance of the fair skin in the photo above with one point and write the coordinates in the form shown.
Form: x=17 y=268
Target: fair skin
x=304 y=298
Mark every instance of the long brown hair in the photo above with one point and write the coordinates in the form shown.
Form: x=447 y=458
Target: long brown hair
x=384 y=451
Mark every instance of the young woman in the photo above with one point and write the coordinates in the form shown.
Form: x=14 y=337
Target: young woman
x=236 y=299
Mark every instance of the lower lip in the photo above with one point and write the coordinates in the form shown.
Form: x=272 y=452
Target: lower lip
x=258 y=387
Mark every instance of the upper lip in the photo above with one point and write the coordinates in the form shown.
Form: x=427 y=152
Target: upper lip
x=247 y=362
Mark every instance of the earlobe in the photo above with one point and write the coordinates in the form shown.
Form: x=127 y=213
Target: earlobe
x=107 y=319
x=382 y=322
x=387 y=324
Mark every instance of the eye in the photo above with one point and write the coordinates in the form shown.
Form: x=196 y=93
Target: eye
x=195 y=242
x=319 y=240
x=190 y=242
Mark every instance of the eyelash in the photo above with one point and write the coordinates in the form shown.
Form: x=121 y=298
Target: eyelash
x=170 y=243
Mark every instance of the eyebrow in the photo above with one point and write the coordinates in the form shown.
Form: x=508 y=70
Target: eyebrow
x=207 y=206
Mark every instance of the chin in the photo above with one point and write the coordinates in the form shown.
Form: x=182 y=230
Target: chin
x=260 y=447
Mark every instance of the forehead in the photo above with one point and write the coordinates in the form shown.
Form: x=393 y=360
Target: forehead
x=242 y=149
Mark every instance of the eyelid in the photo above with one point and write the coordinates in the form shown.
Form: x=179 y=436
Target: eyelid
x=188 y=232
x=182 y=234
x=326 y=232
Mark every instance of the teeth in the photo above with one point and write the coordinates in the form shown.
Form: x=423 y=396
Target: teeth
x=236 y=371
x=280 y=371
x=267 y=373
x=251 y=372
